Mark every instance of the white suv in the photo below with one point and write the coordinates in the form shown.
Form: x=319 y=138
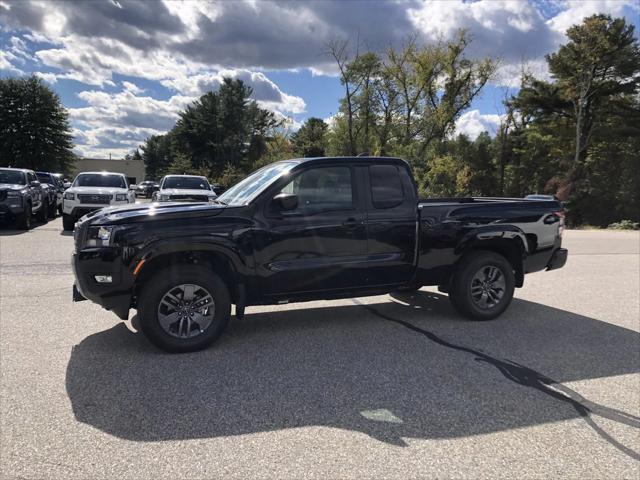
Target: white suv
x=92 y=191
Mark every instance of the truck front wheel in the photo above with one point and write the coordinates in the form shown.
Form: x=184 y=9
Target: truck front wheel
x=187 y=310
x=482 y=285
x=67 y=222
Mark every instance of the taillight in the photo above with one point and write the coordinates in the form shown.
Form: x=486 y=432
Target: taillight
x=560 y=215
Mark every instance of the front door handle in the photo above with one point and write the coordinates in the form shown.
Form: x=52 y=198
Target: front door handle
x=350 y=223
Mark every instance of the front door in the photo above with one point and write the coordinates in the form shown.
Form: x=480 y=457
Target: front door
x=320 y=245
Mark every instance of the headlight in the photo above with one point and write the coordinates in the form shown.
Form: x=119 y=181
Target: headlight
x=99 y=236
x=121 y=197
x=69 y=196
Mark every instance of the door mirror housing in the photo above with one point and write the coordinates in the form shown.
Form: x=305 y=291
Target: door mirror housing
x=286 y=201
x=35 y=183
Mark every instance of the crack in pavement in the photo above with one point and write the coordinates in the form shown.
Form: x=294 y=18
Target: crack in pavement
x=528 y=377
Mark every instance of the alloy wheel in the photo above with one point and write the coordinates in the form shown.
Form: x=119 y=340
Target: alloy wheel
x=488 y=287
x=186 y=311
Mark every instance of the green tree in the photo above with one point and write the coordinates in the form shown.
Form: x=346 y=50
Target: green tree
x=224 y=127
x=600 y=62
x=34 y=126
x=310 y=140
x=157 y=155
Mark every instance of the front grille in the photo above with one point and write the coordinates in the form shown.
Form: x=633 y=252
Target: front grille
x=190 y=198
x=94 y=198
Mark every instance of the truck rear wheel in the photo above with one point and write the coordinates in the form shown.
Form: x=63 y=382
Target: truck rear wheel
x=482 y=286
x=185 y=311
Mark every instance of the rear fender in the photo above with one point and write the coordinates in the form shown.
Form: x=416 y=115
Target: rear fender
x=507 y=240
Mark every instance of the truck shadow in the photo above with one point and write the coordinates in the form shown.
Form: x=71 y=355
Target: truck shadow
x=405 y=368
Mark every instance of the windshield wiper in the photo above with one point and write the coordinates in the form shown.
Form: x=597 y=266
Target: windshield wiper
x=220 y=202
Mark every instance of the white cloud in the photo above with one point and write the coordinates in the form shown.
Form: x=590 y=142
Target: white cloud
x=574 y=11
x=473 y=123
x=5 y=63
x=265 y=91
x=132 y=87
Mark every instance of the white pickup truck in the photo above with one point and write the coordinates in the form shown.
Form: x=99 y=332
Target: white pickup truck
x=184 y=188
x=92 y=191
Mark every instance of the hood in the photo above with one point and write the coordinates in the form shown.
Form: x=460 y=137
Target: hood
x=11 y=186
x=187 y=191
x=97 y=190
x=148 y=212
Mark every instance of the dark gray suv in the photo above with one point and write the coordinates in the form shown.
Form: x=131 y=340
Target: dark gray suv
x=21 y=196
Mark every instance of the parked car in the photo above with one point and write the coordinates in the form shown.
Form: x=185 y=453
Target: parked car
x=308 y=229
x=21 y=197
x=538 y=196
x=92 y=191
x=184 y=188
x=146 y=189
x=55 y=190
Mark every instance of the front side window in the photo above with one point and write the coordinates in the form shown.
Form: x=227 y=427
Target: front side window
x=322 y=189
x=100 y=180
x=12 y=177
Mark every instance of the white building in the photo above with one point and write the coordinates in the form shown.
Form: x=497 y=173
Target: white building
x=132 y=169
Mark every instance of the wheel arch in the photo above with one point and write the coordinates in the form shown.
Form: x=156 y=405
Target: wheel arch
x=217 y=261
x=510 y=242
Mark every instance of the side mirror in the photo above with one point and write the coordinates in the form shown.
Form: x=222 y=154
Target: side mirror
x=35 y=183
x=286 y=201
x=66 y=185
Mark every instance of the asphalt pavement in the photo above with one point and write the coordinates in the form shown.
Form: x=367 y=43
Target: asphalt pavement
x=394 y=386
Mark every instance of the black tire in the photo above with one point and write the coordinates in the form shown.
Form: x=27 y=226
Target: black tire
x=152 y=293
x=67 y=222
x=43 y=213
x=23 y=221
x=482 y=303
x=59 y=209
x=51 y=212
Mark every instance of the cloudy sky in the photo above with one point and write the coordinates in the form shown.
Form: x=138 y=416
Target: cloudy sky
x=124 y=68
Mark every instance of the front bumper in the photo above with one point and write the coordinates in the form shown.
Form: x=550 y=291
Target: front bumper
x=115 y=296
x=558 y=259
x=10 y=211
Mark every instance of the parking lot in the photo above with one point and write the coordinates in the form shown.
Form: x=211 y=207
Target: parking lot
x=395 y=386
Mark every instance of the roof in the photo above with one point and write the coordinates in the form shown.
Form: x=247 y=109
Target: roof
x=102 y=173
x=24 y=170
x=363 y=159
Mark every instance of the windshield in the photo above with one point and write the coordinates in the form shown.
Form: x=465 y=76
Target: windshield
x=99 y=180
x=12 y=177
x=188 y=183
x=43 y=177
x=249 y=188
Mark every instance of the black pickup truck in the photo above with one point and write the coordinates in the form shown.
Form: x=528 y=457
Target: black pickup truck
x=308 y=229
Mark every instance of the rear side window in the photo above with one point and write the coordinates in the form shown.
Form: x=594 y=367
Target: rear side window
x=386 y=186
